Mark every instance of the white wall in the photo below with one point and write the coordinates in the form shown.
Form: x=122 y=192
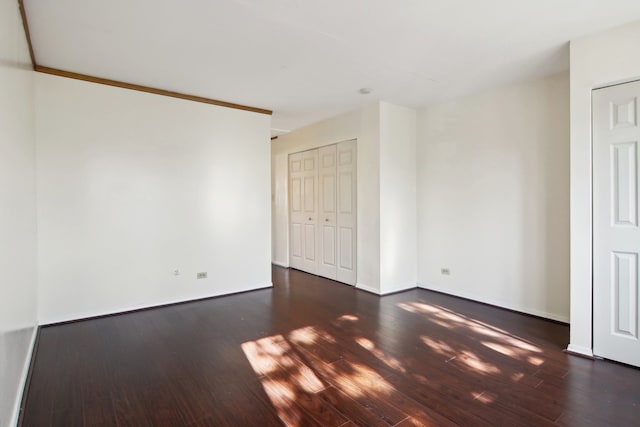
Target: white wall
x=398 y=227
x=17 y=211
x=493 y=197
x=364 y=125
x=597 y=60
x=132 y=186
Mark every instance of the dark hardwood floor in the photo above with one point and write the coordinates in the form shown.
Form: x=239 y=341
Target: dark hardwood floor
x=314 y=352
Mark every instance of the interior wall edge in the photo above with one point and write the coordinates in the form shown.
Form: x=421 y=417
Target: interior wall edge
x=24 y=376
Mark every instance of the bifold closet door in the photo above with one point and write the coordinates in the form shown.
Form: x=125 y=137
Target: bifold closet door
x=327 y=218
x=303 y=199
x=322 y=200
x=347 y=211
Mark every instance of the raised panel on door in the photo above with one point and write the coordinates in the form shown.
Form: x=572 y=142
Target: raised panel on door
x=625 y=294
x=346 y=248
x=327 y=250
x=346 y=212
x=616 y=236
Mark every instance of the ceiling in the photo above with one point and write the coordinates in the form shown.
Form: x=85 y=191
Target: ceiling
x=307 y=60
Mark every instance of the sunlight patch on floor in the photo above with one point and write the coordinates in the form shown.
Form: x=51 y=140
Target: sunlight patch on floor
x=474 y=362
x=484 y=397
x=438 y=346
x=349 y=317
x=390 y=361
x=293 y=366
x=495 y=339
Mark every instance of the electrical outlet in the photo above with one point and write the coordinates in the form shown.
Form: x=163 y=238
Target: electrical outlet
x=445 y=271
x=176 y=272
x=202 y=275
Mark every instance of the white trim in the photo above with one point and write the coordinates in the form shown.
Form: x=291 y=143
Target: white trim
x=580 y=350
x=280 y=264
x=402 y=289
x=89 y=315
x=521 y=309
x=23 y=379
x=368 y=289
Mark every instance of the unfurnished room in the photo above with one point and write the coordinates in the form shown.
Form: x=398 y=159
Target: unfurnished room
x=336 y=213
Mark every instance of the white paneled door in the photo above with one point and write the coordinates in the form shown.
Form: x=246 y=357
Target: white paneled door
x=322 y=202
x=327 y=247
x=616 y=235
x=303 y=197
x=346 y=195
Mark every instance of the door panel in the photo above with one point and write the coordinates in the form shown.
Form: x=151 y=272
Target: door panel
x=616 y=236
x=327 y=212
x=310 y=194
x=310 y=243
x=625 y=195
x=625 y=301
x=329 y=245
x=296 y=239
x=347 y=211
x=303 y=210
x=346 y=246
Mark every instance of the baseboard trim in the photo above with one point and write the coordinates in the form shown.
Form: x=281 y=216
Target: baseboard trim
x=578 y=350
x=25 y=379
x=153 y=307
x=280 y=264
x=399 y=291
x=521 y=310
x=367 y=289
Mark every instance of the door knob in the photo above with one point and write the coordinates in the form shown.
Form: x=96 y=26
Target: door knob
x=309 y=218
x=326 y=220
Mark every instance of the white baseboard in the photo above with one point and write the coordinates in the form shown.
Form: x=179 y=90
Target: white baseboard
x=400 y=289
x=367 y=288
x=514 y=307
x=52 y=320
x=23 y=379
x=280 y=264
x=578 y=349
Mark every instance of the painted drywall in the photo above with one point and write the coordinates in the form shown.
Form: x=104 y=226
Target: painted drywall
x=132 y=186
x=363 y=125
x=493 y=197
x=18 y=300
x=596 y=61
x=398 y=226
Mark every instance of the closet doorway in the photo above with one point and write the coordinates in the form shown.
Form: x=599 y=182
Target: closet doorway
x=322 y=211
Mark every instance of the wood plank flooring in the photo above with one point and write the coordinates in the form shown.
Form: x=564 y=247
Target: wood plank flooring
x=312 y=352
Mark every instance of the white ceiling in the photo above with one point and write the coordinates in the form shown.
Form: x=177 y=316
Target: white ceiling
x=306 y=60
